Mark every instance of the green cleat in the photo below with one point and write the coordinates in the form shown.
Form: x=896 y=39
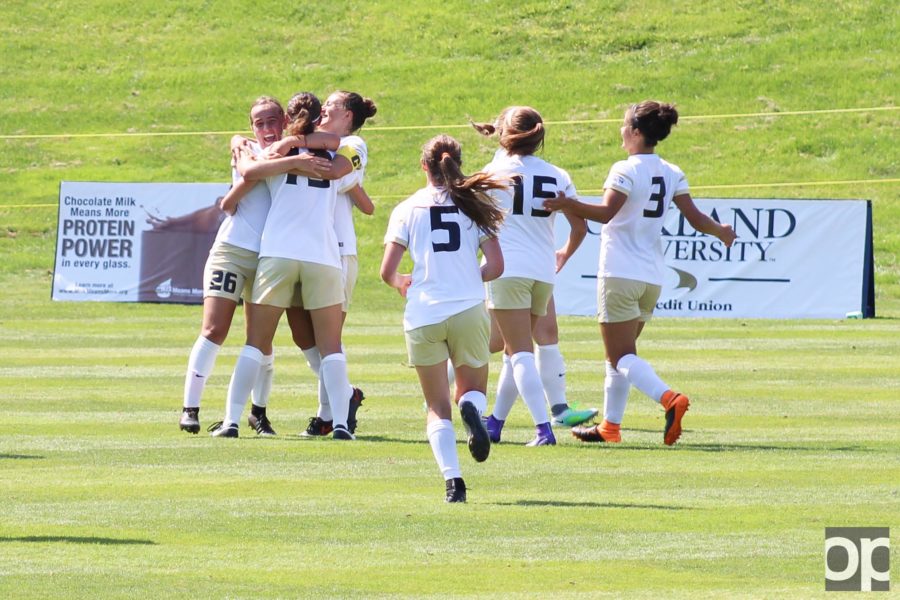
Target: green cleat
x=572 y=417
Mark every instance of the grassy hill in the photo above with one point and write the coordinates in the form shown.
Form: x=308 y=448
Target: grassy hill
x=793 y=424
x=134 y=91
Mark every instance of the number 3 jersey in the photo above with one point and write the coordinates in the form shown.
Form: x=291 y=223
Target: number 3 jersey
x=526 y=236
x=631 y=243
x=443 y=244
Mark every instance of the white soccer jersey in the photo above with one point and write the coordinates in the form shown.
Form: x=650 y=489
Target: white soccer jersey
x=443 y=244
x=631 y=243
x=526 y=236
x=354 y=148
x=300 y=225
x=244 y=228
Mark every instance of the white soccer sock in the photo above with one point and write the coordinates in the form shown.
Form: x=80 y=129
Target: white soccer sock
x=333 y=373
x=615 y=395
x=552 y=368
x=313 y=359
x=263 y=387
x=528 y=381
x=507 y=392
x=478 y=399
x=442 y=439
x=324 y=410
x=314 y=362
x=642 y=376
x=200 y=365
x=246 y=371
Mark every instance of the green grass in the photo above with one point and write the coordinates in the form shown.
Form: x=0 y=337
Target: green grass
x=793 y=427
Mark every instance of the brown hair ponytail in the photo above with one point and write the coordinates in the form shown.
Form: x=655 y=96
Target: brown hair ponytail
x=304 y=111
x=442 y=158
x=654 y=120
x=520 y=129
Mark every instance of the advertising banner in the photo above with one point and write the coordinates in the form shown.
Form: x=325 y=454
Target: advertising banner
x=134 y=242
x=792 y=259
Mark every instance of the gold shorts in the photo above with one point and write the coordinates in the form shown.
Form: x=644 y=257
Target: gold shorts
x=463 y=338
x=620 y=300
x=519 y=292
x=285 y=282
x=229 y=269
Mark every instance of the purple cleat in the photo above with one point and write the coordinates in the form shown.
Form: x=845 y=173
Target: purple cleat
x=494 y=427
x=544 y=436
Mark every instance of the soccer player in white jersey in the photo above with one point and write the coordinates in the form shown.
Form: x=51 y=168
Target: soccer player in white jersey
x=520 y=297
x=302 y=210
x=638 y=192
x=443 y=226
x=343 y=114
x=231 y=268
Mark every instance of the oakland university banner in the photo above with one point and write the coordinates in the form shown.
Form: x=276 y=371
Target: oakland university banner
x=792 y=259
x=134 y=242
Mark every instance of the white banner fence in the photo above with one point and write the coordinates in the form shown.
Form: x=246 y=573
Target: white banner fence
x=148 y=242
x=792 y=259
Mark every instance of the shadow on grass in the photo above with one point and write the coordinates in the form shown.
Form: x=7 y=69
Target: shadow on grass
x=20 y=456
x=295 y=437
x=689 y=447
x=74 y=539
x=567 y=504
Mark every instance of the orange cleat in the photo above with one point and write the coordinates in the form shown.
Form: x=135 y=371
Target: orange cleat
x=676 y=405
x=605 y=432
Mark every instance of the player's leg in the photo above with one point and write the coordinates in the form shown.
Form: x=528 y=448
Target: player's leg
x=507 y=392
x=620 y=340
x=468 y=334
x=552 y=369
x=428 y=352
x=217 y=317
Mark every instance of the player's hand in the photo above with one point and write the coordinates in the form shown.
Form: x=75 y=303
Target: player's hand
x=281 y=147
x=727 y=235
x=561 y=260
x=403 y=282
x=312 y=166
x=561 y=202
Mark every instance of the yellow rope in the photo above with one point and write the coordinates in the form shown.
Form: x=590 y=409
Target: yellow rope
x=454 y=126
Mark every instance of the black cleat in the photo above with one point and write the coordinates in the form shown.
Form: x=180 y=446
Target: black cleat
x=456 y=490
x=355 y=402
x=317 y=428
x=190 y=420
x=219 y=429
x=340 y=433
x=261 y=425
x=479 y=438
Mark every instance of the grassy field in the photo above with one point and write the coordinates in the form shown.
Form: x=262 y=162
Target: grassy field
x=794 y=425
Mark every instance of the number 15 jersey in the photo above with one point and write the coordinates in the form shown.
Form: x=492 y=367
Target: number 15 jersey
x=526 y=236
x=631 y=243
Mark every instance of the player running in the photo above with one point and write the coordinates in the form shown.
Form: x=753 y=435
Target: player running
x=639 y=191
x=443 y=226
x=519 y=298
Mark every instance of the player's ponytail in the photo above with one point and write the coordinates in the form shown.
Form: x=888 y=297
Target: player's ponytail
x=520 y=130
x=304 y=111
x=361 y=108
x=442 y=158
